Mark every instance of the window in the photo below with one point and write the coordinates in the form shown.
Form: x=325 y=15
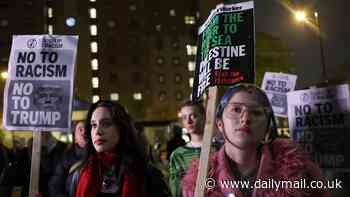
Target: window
x=49 y=13
x=191 y=66
x=94 y=64
x=190 y=81
x=198 y=15
x=175 y=44
x=50 y=29
x=95 y=98
x=92 y=13
x=179 y=95
x=178 y=78
x=132 y=7
x=93 y=47
x=172 y=12
x=95 y=82
x=162 y=95
x=114 y=96
x=4 y=22
x=137 y=96
x=158 y=27
x=176 y=60
x=190 y=20
x=161 y=78
x=111 y=23
x=160 y=60
x=191 y=49
x=93 y=30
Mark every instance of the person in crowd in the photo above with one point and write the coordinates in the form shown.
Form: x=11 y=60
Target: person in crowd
x=116 y=162
x=192 y=117
x=162 y=163
x=60 y=182
x=14 y=178
x=252 y=152
x=175 y=140
x=4 y=188
x=52 y=152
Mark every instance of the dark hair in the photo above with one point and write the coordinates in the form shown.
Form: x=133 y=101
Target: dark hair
x=262 y=99
x=129 y=148
x=197 y=104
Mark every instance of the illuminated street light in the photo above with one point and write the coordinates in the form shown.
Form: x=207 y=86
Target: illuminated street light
x=301 y=16
x=4 y=75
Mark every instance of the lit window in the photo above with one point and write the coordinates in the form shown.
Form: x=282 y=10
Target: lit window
x=70 y=22
x=191 y=49
x=132 y=7
x=198 y=14
x=4 y=22
x=162 y=95
x=114 y=96
x=4 y=75
x=161 y=78
x=160 y=60
x=176 y=60
x=175 y=45
x=190 y=20
x=92 y=13
x=95 y=82
x=50 y=29
x=93 y=30
x=95 y=98
x=93 y=46
x=172 y=12
x=191 y=66
x=137 y=96
x=178 y=78
x=94 y=64
x=111 y=24
x=179 y=95
x=49 y=13
x=158 y=27
x=190 y=81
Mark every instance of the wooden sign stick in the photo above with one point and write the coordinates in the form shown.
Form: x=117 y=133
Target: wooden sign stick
x=35 y=165
x=208 y=134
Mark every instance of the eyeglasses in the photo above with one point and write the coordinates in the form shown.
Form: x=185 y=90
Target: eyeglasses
x=235 y=110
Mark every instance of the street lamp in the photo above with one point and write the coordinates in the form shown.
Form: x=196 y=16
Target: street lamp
x=301 y=16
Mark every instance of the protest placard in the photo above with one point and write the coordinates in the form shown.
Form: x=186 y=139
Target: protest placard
x=319 y=122
x=39 y=89
x=276 y=86
x=225 y=47
x=225 y=57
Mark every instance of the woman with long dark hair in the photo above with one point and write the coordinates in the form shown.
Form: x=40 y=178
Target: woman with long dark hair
x=116 y=163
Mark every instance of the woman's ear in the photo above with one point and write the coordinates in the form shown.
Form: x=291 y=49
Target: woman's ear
x=220 y=125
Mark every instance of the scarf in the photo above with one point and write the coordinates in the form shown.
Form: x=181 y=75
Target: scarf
x=90 y=180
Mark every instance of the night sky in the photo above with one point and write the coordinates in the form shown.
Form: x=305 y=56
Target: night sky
x=273 y=18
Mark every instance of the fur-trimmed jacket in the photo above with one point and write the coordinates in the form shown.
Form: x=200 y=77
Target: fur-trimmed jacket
x=280 y=161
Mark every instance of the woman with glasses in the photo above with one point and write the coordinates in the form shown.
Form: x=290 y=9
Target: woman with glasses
x=116 y=164
x=253 y=160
